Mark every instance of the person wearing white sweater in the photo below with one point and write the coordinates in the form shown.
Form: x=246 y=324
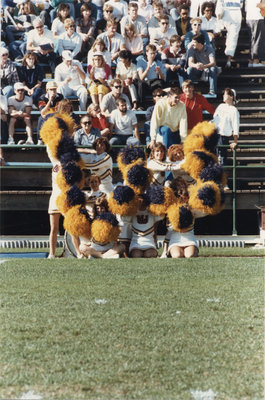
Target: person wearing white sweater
x=227 y=121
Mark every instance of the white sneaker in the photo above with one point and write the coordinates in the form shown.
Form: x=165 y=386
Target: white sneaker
x=40 y=142
x=29 y=141
x=250 y=65
x=10 y=140
x=258 y=65
x=51 y=256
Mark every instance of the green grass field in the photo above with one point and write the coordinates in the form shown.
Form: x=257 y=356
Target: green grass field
x=126 y=329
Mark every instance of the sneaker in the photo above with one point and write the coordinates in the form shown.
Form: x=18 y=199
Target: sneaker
x=212 y=94
x=29 y=141
x=81 y=256
x=250 y=65
x=18 y=59
x=20 y=142
x=40 y=142
x=10 y=140
x=51 y=256
x=258 y=65
x=228 y=65
x=34 y=107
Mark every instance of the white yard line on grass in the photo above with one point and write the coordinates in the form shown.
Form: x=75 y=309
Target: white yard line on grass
x=30 y=395
x=101 y=301
x=200 y=395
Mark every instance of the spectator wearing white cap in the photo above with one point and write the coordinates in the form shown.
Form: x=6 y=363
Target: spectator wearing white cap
x=69 y=76
x=41 y=41
x=19 y=108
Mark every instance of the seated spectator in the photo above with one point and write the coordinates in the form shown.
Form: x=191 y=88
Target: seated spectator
x=99 y=121
x=85 y=27
x=69 y=76
x=158 y=12
x=47 y=104
x=120 y=8
x=169 y=120
x=58 y=23
x=152 y=73
x=19 y=108
x=102 y=23
x=183 y=25
x=127 y=72
x=93 y=6
x=133 y=41
x=137 y=20
x=31 y=75
x=55 y=5
x=108 y=103
x=195 y=103
x=8 y=73
x=160 y=37
x=86 y=135
x=99 y=76
x=41 y=41
x=175 y=11
x=70 y=40
x=99 y=47
x=210 y=24
x=201 y=58
x=174 y=60
x=195 y=30
x=123 y=124
x=195 y=7
x=157 y=94
x=113 y=40
x=23 y=18
x=65 y=106
x=145 y=10
x=4 y=113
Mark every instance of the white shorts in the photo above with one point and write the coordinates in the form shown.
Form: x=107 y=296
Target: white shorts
x=182 y=239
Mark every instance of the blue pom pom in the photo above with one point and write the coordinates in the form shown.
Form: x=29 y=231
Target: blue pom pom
x=213 y=172
x=123 y=194
x=75 y=196
x=72 y=173
x=185 y=217
x=138 y=175
x=155 y=194
x=67 y=145
x=84 y=212
x=207 y=195
x=211 y=141
x=109 y=217
x=132 y=153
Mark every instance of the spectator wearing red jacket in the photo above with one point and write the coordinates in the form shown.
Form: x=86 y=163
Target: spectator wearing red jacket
x=195 y=104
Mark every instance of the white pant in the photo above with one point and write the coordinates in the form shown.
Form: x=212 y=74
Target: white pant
x=232 y=22
x=80 y=91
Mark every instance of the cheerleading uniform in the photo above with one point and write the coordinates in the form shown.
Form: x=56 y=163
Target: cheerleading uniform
x=181 y=239
x=101 y=165
x=160 y=168
x=143 y=230
x=56 y=191
x=126 y=230
x=101 y=247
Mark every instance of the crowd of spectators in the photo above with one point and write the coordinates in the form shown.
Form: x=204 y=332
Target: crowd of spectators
x=116 y=53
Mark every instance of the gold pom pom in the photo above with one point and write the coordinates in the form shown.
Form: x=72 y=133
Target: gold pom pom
x=193 y=142
x=180 y=217
x=104 y=232
x=124 y=209
x=194 y=163
x=206 y=128
x=206 y=197
x=62 y=203
x=68 y=120
x=161 y=209
x=77 y=223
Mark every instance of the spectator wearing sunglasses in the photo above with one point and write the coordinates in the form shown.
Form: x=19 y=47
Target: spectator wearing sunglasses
x=108 y=103
x=195 y=30
x=183 y=25
x=87 y=134
x=161 y=36
x=70 y=40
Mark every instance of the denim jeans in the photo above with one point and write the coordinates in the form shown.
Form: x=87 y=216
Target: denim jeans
x=194 y=75
x=169 y=137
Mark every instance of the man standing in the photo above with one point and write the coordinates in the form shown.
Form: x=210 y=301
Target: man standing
x=169 y=120
x=69 y=76
x=124 y=124
x=201 y=58
x=19 y=107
